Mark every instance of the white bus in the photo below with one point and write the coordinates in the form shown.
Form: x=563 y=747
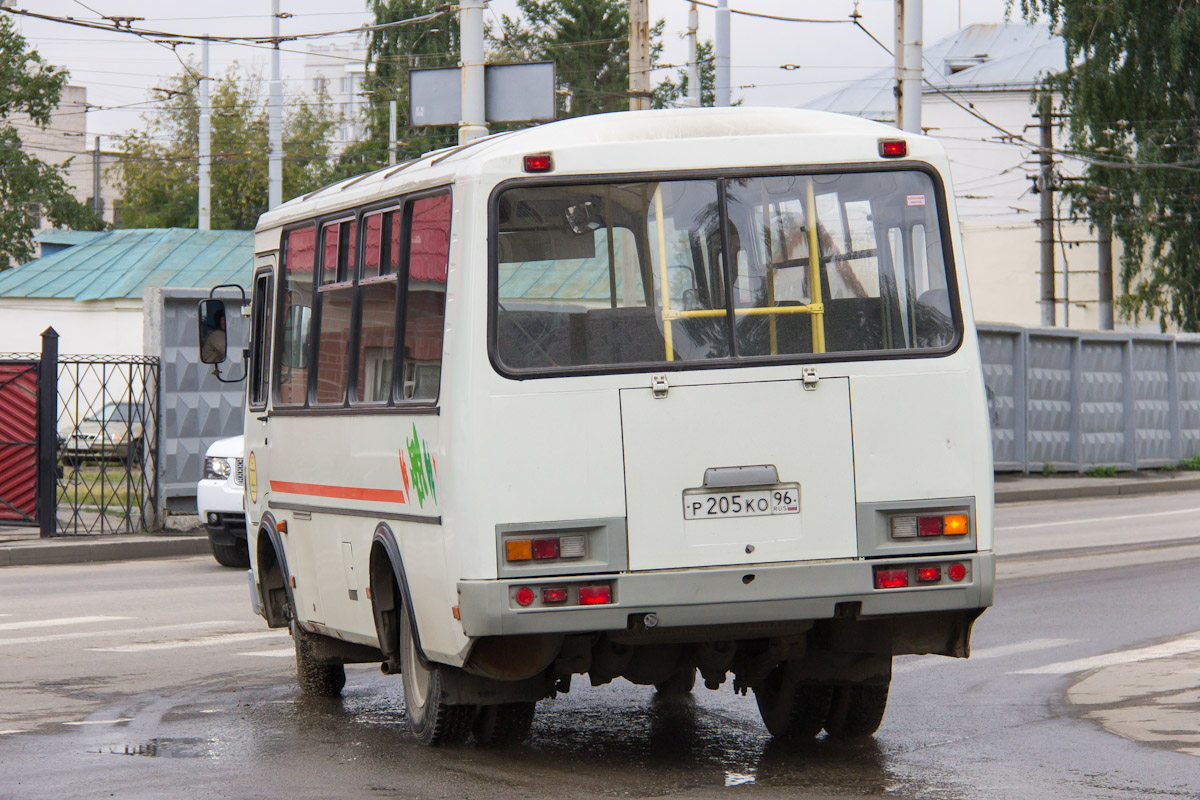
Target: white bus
x=637 y=396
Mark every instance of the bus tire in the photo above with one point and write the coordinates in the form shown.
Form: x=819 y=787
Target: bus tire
x=430 y=718
x=316 y=678
x=678 y=685
x=504 y=724
x=792 y=709
x=856 y=710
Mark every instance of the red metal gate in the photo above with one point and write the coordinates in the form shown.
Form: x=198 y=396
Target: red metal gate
x=18 y=442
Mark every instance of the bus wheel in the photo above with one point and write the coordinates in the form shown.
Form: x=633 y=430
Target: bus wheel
x=678 y=685
x=504 y=724
x=431 y=719
x=316 y=678
x=856 y=710
x=792 y=709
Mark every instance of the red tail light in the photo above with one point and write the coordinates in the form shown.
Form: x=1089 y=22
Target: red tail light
x=545 y=548
x=929 y=526
x=555 y=595
x=524 y=596
x=891 y=578
x=929 y=574
x=594 y=595
x=956 y=572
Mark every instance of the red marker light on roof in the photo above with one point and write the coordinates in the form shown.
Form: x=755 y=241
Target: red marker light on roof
x=538 y=163
x=893 y=148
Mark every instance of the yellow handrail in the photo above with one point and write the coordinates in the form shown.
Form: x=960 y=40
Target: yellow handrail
x=814 y=271
x=663 y=291
x=756 y=311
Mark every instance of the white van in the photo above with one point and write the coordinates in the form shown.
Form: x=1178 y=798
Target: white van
x=634 y=395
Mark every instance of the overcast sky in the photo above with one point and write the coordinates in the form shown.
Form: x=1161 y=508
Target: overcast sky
x=120 y=70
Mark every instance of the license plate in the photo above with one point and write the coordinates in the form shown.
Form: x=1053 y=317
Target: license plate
x=700 y=504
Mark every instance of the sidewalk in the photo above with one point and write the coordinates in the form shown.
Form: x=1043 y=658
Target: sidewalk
x=23 y=547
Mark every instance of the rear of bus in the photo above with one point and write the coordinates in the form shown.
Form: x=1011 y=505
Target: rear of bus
x=734 y=418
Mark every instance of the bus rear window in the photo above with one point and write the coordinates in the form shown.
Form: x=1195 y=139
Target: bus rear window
x=633 y=274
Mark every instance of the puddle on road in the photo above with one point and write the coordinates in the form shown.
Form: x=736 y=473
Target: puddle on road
x=166 y=748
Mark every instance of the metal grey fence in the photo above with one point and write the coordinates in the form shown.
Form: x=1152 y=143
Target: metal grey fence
x=1074 y=400
x=197 y=409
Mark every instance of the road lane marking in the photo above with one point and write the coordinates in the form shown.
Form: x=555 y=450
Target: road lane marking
x=178 y=644
x=1118 y=518
x=999 y=651
x=59 y=637
x=1185 y=644
x=100 y=721
x=56 y=623
x=12 y=731
x=270 y=653
x=1021 y=647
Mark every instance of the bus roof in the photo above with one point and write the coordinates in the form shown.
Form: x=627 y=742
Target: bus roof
x=607 y=132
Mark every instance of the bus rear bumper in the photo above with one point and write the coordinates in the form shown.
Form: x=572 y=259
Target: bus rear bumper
x=724 y=596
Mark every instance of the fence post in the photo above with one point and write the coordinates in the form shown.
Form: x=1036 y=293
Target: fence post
x=47 y=434
x=1021 y=398
x=1129 y=405
x=1174 y=415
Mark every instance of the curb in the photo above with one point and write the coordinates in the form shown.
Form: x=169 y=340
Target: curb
x=1100 y=488
x=89 y=551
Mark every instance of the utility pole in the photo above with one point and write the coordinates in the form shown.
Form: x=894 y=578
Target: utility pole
x=721 y=54
x=275 y=120
x=473 y=124
x=909 y=69
x=693 y=58
x=97 y=203
x=391 y=133
x=639 y=55
x=204 y=222
x=1045 y=185
x=1105 y=267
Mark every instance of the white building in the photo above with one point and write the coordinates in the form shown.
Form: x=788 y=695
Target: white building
x=981 y=107
x=65 y=141
x=341 y=69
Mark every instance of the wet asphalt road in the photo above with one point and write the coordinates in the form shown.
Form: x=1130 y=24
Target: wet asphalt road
x=151 y=680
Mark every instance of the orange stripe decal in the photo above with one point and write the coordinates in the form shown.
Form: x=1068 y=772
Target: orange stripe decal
x=340 y=492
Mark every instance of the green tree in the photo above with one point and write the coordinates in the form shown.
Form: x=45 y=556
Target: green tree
x=1130 y=98
x=158 y=168
x=391 y=53
x=28 y=186
x=671 y=92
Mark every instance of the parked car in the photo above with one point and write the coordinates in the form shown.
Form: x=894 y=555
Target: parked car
x=220 y=499
x=113 y=434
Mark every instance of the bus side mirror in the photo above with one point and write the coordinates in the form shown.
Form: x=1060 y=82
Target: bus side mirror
x=212 y=331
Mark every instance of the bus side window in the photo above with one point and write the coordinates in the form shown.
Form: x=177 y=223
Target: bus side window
x=425 y=298
x=260 y=340
x=378 y=301
x=295 y=319
x=339 y=246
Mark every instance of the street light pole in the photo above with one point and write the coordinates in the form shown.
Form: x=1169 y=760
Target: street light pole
x=474 y=100
x=275 y=119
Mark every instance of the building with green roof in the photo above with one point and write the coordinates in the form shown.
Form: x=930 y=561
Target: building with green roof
x=89 y=286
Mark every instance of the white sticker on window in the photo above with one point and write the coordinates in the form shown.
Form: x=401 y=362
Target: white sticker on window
x=916 y=199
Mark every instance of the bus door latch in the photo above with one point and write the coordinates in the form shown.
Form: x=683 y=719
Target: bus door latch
x=658 y=385
x=809 y=377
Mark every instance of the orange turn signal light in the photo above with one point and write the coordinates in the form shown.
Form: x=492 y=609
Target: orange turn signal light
x=955 y=525
x=518 y=550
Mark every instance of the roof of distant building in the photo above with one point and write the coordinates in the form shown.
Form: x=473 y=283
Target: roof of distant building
x=981 y=57
x=59 y=236
x=120 y=264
